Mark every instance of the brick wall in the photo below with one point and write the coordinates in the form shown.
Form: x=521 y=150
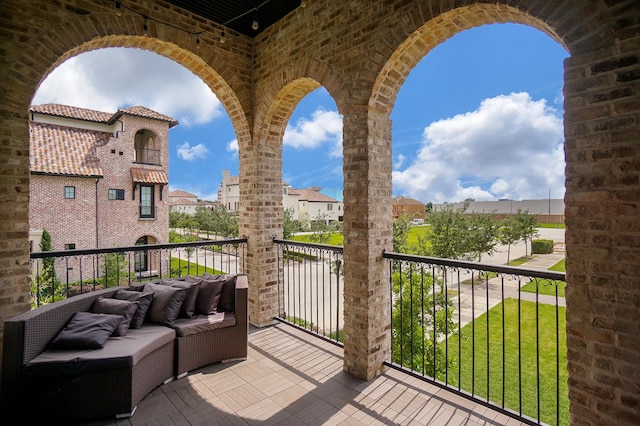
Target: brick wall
x=362 y=52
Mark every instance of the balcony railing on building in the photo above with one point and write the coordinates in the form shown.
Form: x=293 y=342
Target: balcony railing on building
x=58 y=274
x=148 y=156
x=493 y=334
x=147 y=211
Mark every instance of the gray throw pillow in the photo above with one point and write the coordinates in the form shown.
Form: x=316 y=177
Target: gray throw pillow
x=86 y=330
x=123 y=308
x=209 y=294
x=144 y=301
x=228 y=294
x=166 y=303
x=189 y=305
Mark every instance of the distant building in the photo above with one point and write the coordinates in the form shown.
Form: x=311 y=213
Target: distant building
x=229 y=191
x=305 y=203
x=403 y=206
x=99 y=179
x=185 y=202
x=546 y=210
x=313 y=204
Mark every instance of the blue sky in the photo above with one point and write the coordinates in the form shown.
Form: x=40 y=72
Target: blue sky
x=479 y=117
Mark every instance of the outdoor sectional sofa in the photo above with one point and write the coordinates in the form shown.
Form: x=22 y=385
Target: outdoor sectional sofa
x=81 y=384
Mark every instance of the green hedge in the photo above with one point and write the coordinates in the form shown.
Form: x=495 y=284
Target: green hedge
x=542 y=246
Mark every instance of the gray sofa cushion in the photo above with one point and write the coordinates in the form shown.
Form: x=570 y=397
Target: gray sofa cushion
x=189 y=305
x=144 y=302
x=118 y=352
x=209 y=295
x=166 y=303
x=86 y=330
x=124 y=308
x=227 y=294
x=202 y=323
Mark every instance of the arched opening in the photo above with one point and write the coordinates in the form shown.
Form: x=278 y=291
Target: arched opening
x=146 y=151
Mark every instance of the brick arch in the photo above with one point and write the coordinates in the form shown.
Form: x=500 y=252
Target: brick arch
x=287 y=88
x=435 y=31
x=194 y=63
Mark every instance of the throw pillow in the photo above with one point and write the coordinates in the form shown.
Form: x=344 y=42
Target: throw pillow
x=86 y=330
x=123 y=308
x=166 y=303
x=144 y=301
x=189 y=305
x=209 y=294
x=228 y=295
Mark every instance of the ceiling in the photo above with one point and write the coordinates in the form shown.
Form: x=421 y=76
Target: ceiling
x=239 y=14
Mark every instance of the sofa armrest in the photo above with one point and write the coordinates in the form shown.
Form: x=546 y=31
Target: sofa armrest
x=242 y=302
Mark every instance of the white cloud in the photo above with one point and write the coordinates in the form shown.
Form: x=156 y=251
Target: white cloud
x=325 y=127
x=107 y=79
x=510 y=147
x=192 y=153
x=233 y=146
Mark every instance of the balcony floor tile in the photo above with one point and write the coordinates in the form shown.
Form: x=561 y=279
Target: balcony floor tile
x=292 y=378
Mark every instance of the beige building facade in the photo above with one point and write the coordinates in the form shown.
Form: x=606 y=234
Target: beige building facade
x=361 y=52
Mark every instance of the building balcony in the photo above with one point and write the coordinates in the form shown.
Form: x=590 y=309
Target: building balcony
x=495 y=354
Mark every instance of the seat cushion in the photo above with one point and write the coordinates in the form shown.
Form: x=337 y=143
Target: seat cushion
x=166 y=303
x=201 y=323
x=118 y=352
x=124 y=308
x=144 y=302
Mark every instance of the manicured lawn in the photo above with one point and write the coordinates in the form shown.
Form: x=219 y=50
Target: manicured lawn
x=519 y=261
x=546 y=287
x=473 y=375
x=190 y=268
x=550 y=225
x=335 y=240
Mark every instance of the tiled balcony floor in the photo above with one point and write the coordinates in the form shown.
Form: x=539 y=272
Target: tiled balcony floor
x=292 y=378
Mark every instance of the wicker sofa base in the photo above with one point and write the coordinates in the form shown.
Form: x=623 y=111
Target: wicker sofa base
x=106 y=393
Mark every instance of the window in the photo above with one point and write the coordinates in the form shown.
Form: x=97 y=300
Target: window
x=145 y=148
x=116 y=194
x=147 y=207
x=330 y=206
x=69 y=192
x=70 y=246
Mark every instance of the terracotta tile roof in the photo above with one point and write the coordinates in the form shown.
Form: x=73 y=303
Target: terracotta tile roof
x=183 y=201
x=312 y=195
x=72 y=112
x=405 y=200
x=181 y=193
x=145 y=112
x=99 y=116
x=149 y=176
x=64 y=150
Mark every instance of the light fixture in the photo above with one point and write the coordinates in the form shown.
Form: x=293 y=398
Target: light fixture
x=222 y=37
x=118 y=9
x=198 y=42
x=303 y=3
x=145 y=28
x=255 y=24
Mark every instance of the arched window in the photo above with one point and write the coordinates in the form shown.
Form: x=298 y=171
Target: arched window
x=146 y=151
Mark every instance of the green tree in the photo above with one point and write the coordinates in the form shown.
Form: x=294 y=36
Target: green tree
x=43 y=288
x=320 y=230
x=420 y=319
x=225 y=223
x=509 y=234
x=449 y=236
x=290 y=225
x=401 y=228
x=114 y=270
x=527 y=225
x=482 y=235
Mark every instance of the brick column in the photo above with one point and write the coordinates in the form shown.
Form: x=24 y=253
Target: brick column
x=602 y=128
x=261 y=220
x=367 y=231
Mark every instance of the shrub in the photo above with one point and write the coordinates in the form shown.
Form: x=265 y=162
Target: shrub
x=542 y=246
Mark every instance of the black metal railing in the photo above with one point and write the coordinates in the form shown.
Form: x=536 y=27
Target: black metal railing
x=494 y=334
x=310 y=287
x=59 y=274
